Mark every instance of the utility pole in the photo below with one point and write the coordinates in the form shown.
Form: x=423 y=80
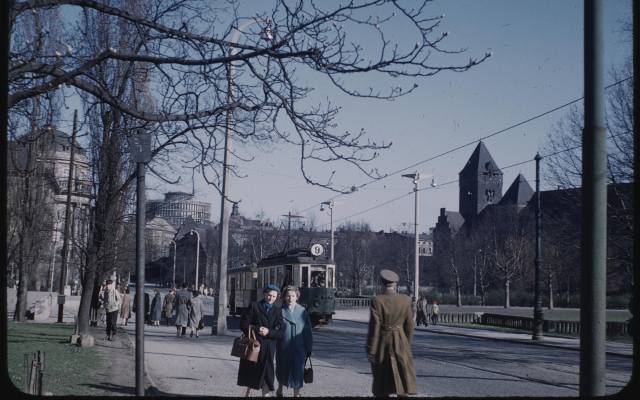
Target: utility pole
x=538 y=316
x=330 y=204
x=140 y=148
x=67 y=221
x=289 y=216
x=594 y=209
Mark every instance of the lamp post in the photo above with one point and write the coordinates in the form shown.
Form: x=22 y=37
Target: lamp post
x=537 y=303
x=416 y=177
x=140 y=148
x=330 y=204
x=175 y=250
x=219 y=327
x=197 y=254
x=475 y=268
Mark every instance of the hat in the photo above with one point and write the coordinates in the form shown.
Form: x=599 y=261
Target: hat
x=271 y=287
x=389 y=276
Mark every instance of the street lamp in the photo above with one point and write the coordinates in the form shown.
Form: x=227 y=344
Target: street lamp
x=219 y=327
x=475 y=267
x=330 y=204
x=197 y=255
x=538 y=315
x=175 y=250
x=416 y=276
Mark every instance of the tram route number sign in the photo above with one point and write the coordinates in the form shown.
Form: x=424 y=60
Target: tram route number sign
x=317 y=250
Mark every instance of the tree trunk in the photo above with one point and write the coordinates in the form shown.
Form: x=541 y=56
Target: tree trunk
x=507 y=304
x=550 y=291
x=84 y=311
x=22 y=290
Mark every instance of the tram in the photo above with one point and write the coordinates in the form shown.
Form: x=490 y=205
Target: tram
x=307 y=269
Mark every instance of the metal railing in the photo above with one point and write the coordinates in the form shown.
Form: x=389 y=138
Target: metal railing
x=353 y=302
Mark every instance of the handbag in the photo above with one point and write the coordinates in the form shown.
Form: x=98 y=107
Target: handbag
x=246 y=347
x=201 y=324
x=308 y=372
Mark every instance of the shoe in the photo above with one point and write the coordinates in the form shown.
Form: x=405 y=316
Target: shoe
x=191 y=334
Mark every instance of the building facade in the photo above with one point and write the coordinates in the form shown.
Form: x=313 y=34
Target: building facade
x=177 y=207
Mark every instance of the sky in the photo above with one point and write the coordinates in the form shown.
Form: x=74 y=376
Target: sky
x=536 y=66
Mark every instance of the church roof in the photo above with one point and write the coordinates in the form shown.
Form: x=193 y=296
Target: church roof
x=519 y=192
x=480 y=160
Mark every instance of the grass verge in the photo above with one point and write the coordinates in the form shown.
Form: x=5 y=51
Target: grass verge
x=69 y=369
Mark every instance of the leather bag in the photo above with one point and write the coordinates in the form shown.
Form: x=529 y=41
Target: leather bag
x=246 y=347
x=201 y=324
x=308 y=372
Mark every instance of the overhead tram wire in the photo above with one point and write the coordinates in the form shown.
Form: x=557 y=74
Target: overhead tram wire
x=454 y=149
x=457 y=180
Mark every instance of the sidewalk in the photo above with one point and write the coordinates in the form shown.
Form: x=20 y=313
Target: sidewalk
x=617 y=348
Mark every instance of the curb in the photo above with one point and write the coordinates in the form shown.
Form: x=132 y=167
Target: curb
x=512 y=340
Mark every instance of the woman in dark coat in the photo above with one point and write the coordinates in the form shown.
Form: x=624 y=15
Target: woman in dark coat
x=156 y=308
x=265 y=319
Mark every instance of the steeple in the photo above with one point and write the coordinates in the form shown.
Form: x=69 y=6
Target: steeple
x=520 y=192
x=480 y=183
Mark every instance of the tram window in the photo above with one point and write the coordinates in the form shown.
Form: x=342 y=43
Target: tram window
x=280 y=274
x=288 y=276
x=296 y=275
x=260 y=278
x=330 y=282
x=304 y=277
x=272 y=275
x=318 y=279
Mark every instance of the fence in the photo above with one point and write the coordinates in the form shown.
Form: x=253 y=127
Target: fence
x=353 y=302
x=505 y=321
x=33 y=371
x=561 y=327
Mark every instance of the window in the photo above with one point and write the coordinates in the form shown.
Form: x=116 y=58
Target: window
x=288 y=276
x=330 y=280
x=260 y=278
x=318 y=278
x=272 y=275
x=296 y=275
x=305 y=277
x=279 y=277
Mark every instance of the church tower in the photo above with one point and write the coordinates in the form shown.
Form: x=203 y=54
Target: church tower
x=480 y=183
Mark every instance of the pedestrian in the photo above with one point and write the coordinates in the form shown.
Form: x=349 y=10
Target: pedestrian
x=112 y=300
x=181 y=304
x=155 y=313
x=296 y=344
x=264 y=317
x=389 y=340
x=101 y=309
x=168 y=304
x=435 y=311
x=195 y=313
x=96 y=303
x=125 y=309
x=421 y=317
x=147 y=308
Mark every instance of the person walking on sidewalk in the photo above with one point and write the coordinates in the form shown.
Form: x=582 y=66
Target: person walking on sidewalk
x=296 y=344
x=389 y=340
x=195 y=313
x=168 y=305
x=125 y=310
x=264 y=317
x=435 y=312
x=112 y=300
x=182 y=304
x=155 y=313
x=421 y=317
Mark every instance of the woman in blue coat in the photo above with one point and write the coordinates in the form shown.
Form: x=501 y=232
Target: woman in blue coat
x=296 y=343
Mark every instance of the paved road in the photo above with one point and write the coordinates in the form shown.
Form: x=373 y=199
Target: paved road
x=449 y=362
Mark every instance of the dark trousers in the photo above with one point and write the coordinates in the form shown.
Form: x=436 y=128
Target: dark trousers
x=112 y=321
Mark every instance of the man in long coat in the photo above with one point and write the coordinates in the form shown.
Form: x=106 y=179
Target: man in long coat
x=265 y=319
x=182 y=304
x=389 y=340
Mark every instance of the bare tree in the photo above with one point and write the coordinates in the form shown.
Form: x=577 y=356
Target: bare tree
x=166 y=67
